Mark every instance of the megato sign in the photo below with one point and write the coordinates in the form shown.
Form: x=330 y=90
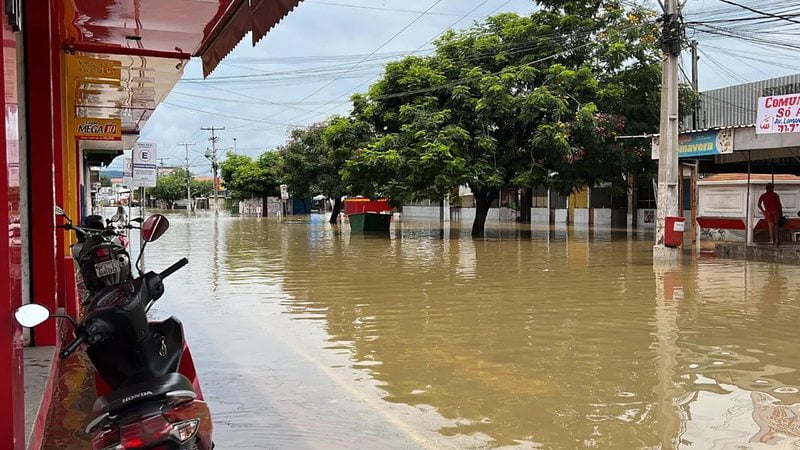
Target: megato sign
x=778 y=114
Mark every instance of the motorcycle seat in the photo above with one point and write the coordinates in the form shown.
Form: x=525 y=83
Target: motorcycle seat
x=142 y=391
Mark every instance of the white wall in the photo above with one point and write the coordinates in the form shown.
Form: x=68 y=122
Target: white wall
x=602 y=216
x=540 y=215
x=432 y=212
x=560 y=215
x=422 y=212
x=468 y=214
x=581 y=216
x=721 y=201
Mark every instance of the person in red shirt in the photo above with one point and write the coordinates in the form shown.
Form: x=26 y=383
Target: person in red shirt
x=770 y=205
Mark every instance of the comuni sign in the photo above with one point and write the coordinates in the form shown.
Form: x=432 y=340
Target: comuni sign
x=778 y=114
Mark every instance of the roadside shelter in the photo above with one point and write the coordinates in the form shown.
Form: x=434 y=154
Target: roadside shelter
x=733 y=150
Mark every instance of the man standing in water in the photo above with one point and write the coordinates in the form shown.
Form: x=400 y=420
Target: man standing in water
x=770 y=205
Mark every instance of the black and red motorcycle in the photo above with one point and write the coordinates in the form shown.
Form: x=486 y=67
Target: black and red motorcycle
x=149 y=396
x=100 y=252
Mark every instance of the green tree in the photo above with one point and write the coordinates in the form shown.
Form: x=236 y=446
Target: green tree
x=171 y=187
x=105 y=181
x=314 y=158
x=202 y=188
x=522 y=101
x=247 y=178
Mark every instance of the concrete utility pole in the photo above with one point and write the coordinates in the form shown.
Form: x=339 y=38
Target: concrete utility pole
x=695 y=85
x=160 y=168
x=189 y=205
x=667 y=200
x=211 y=155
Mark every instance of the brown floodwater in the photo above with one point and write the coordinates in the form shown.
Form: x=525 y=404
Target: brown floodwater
x=308 y=337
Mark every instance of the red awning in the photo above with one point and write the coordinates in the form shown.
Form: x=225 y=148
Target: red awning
x=258 y=16
x=265 y=14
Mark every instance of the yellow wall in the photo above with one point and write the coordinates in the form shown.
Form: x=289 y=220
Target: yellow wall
x=579 y=199
x=69 y=166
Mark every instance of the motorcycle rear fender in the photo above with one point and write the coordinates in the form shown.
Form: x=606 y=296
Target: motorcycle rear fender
x=150 y=423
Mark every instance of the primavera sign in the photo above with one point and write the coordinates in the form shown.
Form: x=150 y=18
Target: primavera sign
x=700 y=143
x=95 y=129
x=778 y=114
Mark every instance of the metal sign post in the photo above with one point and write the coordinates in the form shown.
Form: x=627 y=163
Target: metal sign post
x=145 y=174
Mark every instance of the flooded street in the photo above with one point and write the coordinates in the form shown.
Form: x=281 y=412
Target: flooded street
x=308 y=337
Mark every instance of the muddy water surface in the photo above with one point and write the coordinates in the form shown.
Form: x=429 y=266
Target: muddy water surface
x=308 y=337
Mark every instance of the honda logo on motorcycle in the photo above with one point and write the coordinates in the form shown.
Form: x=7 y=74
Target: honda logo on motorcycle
x=135 y=396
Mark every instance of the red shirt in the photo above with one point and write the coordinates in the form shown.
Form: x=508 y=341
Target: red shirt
x=771 y=201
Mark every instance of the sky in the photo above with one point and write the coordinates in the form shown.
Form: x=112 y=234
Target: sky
x=307 y=67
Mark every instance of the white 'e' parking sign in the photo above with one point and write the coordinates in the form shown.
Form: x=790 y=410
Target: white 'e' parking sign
x=144 y=164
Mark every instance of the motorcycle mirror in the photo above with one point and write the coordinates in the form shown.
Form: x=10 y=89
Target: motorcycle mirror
x=115 y=218
x=154 y=227
x=137 y=220
x=59 y=211
x=31 y=315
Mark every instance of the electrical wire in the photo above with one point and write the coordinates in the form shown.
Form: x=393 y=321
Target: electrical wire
x=757 y=11
x=384 y=44
x=316 y=2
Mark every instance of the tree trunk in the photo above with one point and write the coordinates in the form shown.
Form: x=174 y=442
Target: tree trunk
x=525 y=207
x=337 y=208
x=483 y=201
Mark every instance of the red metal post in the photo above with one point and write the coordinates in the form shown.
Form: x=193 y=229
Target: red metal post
x=12 y=387
x=41 y=143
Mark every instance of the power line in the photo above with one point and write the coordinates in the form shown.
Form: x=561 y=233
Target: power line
x=416 y=50
x=763 y=13
x=189 y=205
x=380 y=9
x=274 y=124
x=460 y=81
x=416 y=19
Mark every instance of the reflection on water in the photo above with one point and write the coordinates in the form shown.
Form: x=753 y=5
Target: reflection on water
x=309 y=337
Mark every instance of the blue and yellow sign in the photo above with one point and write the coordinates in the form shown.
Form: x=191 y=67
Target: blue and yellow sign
x=698 y=144
x=701 y=143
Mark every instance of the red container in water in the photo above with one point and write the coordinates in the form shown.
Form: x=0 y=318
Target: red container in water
x=365 y=205
x=673 y=231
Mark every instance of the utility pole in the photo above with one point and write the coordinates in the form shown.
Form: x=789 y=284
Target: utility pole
x=667 y=195
x=211 y=155
x=695 y=86
x=189 y=205
x=234 y=146
x=160 y=168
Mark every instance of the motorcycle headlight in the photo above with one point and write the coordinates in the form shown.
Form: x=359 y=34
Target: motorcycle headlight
x=183 y=431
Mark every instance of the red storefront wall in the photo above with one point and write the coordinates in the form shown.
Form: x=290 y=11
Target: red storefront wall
x=12 y=424
x=43 y=124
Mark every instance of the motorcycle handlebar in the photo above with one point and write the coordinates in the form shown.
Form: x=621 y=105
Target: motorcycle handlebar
x=174 y=268
x=70 y=349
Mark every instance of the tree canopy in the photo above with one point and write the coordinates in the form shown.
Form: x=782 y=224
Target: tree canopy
x=247 y=178
x=314 y=158
x=171 y=187
x=524 y=101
